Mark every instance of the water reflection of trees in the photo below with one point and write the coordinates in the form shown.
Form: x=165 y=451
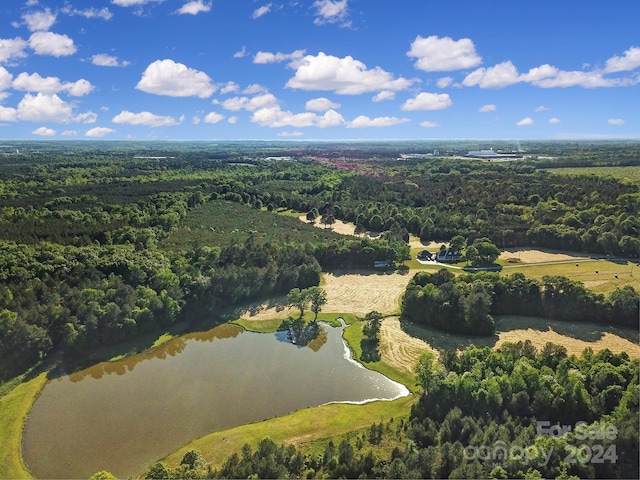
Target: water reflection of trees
x=302 y=334
x=170 y=348
x=320 y=340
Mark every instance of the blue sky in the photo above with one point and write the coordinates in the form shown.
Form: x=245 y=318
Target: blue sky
x=319 y=69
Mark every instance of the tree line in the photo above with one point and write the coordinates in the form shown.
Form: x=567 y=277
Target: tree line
x=467 y=303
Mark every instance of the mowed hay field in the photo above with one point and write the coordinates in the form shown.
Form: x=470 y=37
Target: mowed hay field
x=399 y=349
x=357 y=293
x=575 y=337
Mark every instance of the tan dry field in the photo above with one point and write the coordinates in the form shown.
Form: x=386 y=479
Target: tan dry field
x=416 y=243
x=347 y=292
x=574 y=337
x=538 y=256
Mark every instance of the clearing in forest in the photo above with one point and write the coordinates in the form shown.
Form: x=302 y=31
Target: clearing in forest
x=347 y=292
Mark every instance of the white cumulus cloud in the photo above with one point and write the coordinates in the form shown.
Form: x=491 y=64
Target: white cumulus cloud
x=250 y=104
x=629 y=61
x=103 y=13
x=490 y=107
x=321 y=105
x=255 y=88
x=554 y=121
x=615 y=121
x=194 y=7
x=259 y=12
x=99 y=132
x=345 y=76
x=230 y=87
x=104 y=60
x=365 y=122
x=427 y=101
x=525 y=121
x=39 y=21
x=268 y=57
x=498 y=76
x=384 y=95
x=54 y=44
x=5 y=79
x=331 y=11
x=545 y=76
x=8 y=114
x=294 y=133
x=132 y=3
x=444 y=82
x=50 y=85
x=166 y=77
x=443 y=54
x=144 y=118
x=213 y=118
x=44 y=108
x=275 y=117
x=87 y=117
x=241 y=53
x=44 y=132
x=12 y=48
x=577 y=78
x=428 y=124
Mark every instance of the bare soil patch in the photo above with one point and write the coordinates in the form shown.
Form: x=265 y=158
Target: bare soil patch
x=343 y=228
x=399 y=349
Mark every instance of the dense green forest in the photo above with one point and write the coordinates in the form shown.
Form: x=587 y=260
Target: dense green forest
x=101 y=242
x=104 y=241
x=511 y=413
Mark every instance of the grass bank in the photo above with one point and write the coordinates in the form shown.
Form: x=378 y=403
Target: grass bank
x=14 y=409
x=301 y=428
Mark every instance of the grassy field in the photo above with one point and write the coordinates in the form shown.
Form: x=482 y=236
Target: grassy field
x=14 y=408
x=624 y=174
x=601 y=276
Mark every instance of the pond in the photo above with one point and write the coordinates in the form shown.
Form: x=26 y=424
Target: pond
x=121 y=416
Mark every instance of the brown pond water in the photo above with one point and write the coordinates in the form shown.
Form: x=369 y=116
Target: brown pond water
x=122 y=416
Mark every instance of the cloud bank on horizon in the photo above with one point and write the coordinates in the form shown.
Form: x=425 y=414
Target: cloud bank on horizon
x=318 y=69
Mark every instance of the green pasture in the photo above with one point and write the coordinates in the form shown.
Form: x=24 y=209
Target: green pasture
x=600 y=276
x=14 y=409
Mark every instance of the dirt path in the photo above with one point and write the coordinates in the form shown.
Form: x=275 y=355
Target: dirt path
x=399 y=349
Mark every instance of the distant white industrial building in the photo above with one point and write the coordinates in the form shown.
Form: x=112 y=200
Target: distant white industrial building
x=491 y=154
x=482 y=153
